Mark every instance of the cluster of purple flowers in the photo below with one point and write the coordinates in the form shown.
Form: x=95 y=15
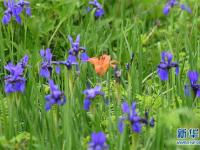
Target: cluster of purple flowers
x=133 y=118
x=171 y=3
x=15 y=82
x=56 y=96
x=165 y=65
x=14 y=9
x=74 y=53
x=99 y=11
x=90 y=94
x=98 y=142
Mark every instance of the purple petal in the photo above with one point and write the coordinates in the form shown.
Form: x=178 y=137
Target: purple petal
x=44 y=72
x=52 y=85
x=48 y=106
x=48 y=55
x=99 y=13
x=70 y=39
x=193 y=76
x=133 y=107
x=42 y=53
x=72 y=59
x=8 y=88
x=98 y=138
x=163 y=74
x=85 y=91
x=198 y=93
x=5 y=3
x=58 y=69
x=87 y=104
x=20 y=86
x=28 y=11
x=125 y=107
x=121 y=125
x=97 y=88
x=62 y=102
x=18 y=10
x=24 y=61
x=137 y=127
x=169 y=57
x=163 y=55
x=6 y=18
x=84 y=57
x=18 y=19
x=78 y=38
x=10 y=67
x=166 y=9
x=186 y=8
x=177 y=70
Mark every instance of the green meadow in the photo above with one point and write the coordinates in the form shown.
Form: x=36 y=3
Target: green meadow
x=128 y=27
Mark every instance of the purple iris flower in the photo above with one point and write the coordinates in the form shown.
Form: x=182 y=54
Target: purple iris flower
x=15 y=82
x=76 y=52
x=166 y=64
x=71 y=60
x=74 y=45
x=171 y=3
x=46 y=65
x=56 y=96
x=131 y=115
x=193 y=77
x=76 y=49
x=14 y=9
x=46 y=68
x=91 y=93
x=99 y=11
x=98 y=142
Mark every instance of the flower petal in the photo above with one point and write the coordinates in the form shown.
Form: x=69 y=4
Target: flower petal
x=163 y=74
x=87 y=104
x=125 y=107
x=84 y=57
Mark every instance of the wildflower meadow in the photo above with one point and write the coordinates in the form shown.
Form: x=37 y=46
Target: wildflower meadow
x=99 y=74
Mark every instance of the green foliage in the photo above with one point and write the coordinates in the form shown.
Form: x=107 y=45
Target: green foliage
x=129 y=26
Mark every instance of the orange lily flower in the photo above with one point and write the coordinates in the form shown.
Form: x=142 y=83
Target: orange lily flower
x=102 y=64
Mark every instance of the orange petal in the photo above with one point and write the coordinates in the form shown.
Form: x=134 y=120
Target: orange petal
x=93 y=60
